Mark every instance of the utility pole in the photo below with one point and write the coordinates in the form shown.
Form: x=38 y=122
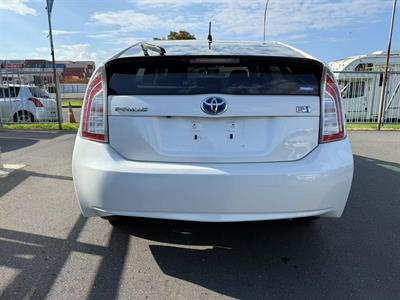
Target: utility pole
x=59 y=116
x=265 y=18
x=385 y=76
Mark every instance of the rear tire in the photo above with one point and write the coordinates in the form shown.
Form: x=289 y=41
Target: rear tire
x=305 y=220
x=23 y=116
x=111 y=219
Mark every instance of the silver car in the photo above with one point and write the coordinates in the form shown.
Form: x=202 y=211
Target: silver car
x=25 y=104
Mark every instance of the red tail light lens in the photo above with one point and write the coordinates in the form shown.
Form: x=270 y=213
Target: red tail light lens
x=94 y=110
x=333 y=123
x=36 y=102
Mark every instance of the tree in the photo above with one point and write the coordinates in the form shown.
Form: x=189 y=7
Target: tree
x=181 y=35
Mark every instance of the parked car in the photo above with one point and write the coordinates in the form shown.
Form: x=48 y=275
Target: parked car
x=237 y=131
x=25 y=103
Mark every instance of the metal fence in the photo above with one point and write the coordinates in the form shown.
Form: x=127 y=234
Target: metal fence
x=27 y=97
x=30 y=97
x=361 y=92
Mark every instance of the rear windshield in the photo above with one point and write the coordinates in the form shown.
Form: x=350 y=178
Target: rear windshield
x=38 y=92
x=204 y=75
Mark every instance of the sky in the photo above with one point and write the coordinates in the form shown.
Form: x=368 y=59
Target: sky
x=97 y=29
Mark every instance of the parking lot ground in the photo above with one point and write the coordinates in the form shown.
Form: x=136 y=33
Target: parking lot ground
x=48 y=250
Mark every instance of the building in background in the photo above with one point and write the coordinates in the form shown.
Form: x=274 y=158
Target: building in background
x=68 y=71
x=76 y=71
x=73 y=75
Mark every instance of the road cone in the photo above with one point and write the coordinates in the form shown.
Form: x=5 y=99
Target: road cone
x=71 y=116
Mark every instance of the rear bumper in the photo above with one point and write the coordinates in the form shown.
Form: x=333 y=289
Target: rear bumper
x=44 y=114
x=107 y=184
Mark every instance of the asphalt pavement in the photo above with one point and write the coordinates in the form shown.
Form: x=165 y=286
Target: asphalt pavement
x=48 y=250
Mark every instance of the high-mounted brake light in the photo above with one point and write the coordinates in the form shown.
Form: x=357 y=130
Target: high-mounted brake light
x=36 y=102
x=94 y=110
x=333 y=123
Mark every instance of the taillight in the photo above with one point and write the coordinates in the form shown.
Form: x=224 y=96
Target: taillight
x=333 y=124
x=94 y=110
x=36 y=102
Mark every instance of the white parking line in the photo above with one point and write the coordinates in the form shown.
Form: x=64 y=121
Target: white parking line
x=13 y=166
x=7 y=168
x=3 y=173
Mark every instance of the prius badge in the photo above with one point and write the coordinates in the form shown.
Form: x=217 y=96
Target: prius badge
x=131 y=109
x=214 y=105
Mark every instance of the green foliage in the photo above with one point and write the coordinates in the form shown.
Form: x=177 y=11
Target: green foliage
x=173 y=35
x=74 y=102
x=181 y=35
x=371 y=126
x=65 y=126
x=75 y=126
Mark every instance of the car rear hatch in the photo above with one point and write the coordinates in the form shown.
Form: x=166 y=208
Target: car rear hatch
x=44 y=100
x=213 y=109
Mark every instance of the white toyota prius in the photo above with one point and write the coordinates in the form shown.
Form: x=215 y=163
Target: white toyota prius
x=215 y=132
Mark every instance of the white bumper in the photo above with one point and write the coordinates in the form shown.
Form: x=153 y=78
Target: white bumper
x=45 y=115
x=108 y=184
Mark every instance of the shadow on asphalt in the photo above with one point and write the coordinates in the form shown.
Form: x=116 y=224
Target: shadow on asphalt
x=16 y=177
x=37 y=275
x=257 y=260
x=8 y=144
x=11 y=140
x=330 y=258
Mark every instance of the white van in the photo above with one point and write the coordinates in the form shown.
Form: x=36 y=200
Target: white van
x=360 y=81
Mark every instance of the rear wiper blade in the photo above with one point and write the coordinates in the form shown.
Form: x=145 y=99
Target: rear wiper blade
x=146 y=47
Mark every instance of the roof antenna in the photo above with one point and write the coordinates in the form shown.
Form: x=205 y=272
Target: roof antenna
x=209 y=38
x=265 y=17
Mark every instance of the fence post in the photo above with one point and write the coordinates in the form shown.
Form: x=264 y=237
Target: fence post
x=59 y=103
x=381 y=113
x=385 y=76
x=59 y=111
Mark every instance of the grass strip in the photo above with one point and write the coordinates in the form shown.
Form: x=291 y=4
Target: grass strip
x=74 y=103
x=75 y=126
x=66 y=126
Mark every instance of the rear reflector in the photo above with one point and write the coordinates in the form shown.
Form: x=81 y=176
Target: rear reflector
x=94 y=110
x=333 y=124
